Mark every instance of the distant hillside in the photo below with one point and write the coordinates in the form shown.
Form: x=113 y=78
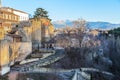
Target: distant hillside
x=62 y=24
x=92 y=25
x=102 y=25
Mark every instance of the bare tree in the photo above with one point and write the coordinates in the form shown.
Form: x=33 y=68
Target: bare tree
x=80 y=24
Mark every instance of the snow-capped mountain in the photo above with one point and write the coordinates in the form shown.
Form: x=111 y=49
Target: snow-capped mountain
x=92 y=25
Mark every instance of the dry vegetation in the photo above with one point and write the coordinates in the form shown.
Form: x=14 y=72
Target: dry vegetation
x=101 y=52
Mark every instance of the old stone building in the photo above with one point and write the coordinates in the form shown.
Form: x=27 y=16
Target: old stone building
x=19 y=35
x=23 y=16
x=47 y=30
x=7 y=18
x=41 y=31
x=12 y=47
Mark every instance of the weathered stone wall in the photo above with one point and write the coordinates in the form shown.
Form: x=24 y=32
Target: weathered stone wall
x=12 y=52
x=36 y=30
x=39 y=30
x=51 y=30
x=36 y=33
x=2 y=33
x=4 y=57
x=19 y=50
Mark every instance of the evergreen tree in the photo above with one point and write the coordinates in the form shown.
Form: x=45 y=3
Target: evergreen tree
x=40 y=13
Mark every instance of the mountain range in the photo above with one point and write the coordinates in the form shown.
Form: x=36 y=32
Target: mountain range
x=91 y=25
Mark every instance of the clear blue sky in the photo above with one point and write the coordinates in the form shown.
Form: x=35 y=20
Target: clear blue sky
x=90 y=10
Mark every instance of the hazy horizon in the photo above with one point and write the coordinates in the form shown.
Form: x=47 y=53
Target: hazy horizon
x=85 y=19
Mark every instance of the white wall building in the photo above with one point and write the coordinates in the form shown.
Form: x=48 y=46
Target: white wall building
x=23 y=15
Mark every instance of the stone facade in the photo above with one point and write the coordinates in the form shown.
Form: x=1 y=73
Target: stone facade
x=7 y=18
x=4 y=57
x=41 y=31
x=23 y=16
x=19 y=51
x=11 y=53
x=2 y=33
x=47 y=31
x=19 y=36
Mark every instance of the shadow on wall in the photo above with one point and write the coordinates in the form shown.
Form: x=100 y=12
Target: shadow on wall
x=20 y=50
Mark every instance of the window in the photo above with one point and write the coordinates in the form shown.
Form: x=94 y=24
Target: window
x=4 y=16
x=15 y=17
x=10 y=17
